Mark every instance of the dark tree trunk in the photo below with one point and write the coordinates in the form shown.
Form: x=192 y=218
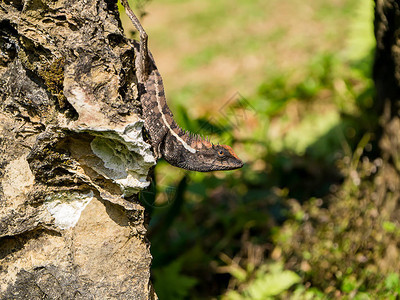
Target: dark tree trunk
x=387 y=77
x=72 y=154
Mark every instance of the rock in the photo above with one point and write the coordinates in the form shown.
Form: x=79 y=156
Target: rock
x=72 y=155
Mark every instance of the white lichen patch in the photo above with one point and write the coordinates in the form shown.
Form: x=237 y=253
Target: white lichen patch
x=66 y=208
x=126 y=157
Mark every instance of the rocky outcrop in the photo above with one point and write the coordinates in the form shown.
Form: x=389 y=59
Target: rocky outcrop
x=73 y=157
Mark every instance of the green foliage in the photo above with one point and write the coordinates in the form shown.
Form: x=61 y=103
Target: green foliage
x=344 y=239
x=392 y=284
x=171 y=284
x=270 y=280
x=317 y=76
x=349 y=284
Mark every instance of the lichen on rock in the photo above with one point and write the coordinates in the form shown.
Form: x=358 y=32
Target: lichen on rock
x=66 y=207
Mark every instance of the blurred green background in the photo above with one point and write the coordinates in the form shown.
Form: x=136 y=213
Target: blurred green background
x=288 y=85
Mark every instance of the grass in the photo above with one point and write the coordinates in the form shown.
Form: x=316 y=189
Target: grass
x=241 y=44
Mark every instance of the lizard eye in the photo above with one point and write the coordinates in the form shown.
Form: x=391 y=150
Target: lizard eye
x=221 y=153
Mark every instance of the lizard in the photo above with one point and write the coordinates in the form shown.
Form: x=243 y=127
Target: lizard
x=178 y=147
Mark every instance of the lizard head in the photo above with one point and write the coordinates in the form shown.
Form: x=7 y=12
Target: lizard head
x=212 y=158
x=195 y=153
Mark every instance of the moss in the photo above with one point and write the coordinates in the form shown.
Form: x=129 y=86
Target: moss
x=26 y=54
x=53 y=75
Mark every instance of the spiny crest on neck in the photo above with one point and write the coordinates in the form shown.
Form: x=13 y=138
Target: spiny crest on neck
x=195 y=141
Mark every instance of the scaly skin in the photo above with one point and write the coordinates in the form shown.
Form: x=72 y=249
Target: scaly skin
x=178 y=147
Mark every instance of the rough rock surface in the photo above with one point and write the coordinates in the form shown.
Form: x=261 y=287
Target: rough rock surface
x=72 y=155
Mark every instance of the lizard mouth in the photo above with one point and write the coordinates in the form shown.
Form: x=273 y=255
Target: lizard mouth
x=215 y=167
x=237 y=164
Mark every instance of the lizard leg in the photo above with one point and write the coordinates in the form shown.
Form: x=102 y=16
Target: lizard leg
x=143 y=60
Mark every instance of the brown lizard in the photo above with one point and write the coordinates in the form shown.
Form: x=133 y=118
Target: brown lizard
x=178 y=147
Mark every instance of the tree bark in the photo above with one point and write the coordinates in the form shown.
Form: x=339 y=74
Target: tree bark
x=72 y=154
x=387 y=78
